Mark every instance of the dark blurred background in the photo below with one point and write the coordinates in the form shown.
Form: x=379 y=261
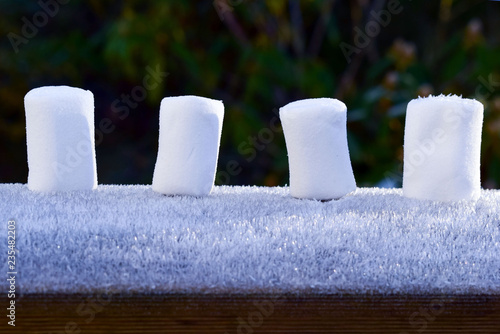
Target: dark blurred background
x=256 y=56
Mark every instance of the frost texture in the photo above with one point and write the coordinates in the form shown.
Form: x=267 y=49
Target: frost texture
x=250 y=240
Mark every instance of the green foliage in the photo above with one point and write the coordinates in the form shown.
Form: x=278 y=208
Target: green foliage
x=256 y=56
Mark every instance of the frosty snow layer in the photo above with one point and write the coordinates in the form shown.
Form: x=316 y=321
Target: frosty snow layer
x=316 y=141
x=250 y=239
x=442 y=148
x=190 y=130
x=60 y=139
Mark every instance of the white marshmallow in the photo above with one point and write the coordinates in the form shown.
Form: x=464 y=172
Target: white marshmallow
x=316 y=140
x=60 y=139
x=190 y=131
x=442 y=147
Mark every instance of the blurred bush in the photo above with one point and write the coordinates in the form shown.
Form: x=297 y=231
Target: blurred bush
x=256 y=56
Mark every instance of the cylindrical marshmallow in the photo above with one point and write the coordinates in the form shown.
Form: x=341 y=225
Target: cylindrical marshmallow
x=316 y=140
x=60 y=139
x=190 y=131
x=442 y=147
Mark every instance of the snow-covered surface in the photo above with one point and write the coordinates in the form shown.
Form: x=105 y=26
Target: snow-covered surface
x=316 y=141
x=60 y=139
x=250 y=239
x=442 y=148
